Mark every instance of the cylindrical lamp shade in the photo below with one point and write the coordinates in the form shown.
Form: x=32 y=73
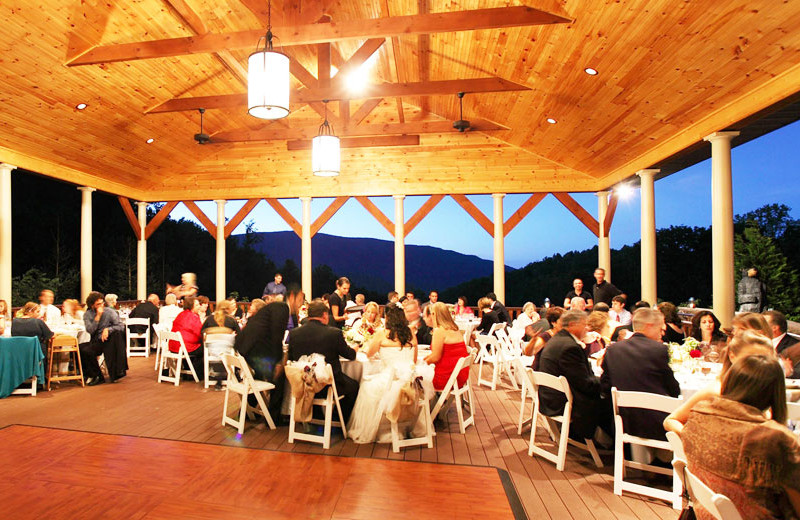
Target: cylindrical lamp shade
x=325 y=156
x=268 y=85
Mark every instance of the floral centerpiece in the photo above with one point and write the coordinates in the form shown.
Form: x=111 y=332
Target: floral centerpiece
x=302 y=313
x=360 y=335
x=689 y=349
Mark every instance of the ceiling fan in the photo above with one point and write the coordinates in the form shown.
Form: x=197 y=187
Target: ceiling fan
x=462 y=124
x=202 y=138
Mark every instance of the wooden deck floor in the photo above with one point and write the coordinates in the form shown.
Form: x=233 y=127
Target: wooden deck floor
x=138 y=406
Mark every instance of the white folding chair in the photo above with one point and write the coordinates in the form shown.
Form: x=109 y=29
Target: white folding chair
x=425 y=440
x=526 y=392
x=214 y=347
x=240 y=381
x=559 y=384
x=459 y=394
x=719 y=506
x=642 y=401
x=489 y=348
x=133 y=349
x=793 y=411
x=159 y=329
x=330 y=400
x=179 y=357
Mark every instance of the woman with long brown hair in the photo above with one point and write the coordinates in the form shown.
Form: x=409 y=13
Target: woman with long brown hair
x=447 y=347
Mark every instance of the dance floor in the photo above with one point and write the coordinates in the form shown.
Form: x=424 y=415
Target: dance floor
x=485 y=473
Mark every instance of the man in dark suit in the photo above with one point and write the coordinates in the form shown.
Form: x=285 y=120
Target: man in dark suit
x=780 y=339
x=316 y=337
x=564 y=356
x=499 y=308
x=261 y=345
x=147 y=309
x=416 y=322
x=641 y=364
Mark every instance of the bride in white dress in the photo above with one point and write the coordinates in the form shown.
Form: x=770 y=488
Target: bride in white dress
x=393 y=356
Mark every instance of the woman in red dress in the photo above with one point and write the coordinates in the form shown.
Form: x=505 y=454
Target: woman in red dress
x=447 y=347
x=188 y=324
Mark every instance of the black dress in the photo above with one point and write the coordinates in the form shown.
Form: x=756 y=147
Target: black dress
x=334 y=300
x=672 y=336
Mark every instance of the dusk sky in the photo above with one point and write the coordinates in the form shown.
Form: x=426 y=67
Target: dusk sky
x=764 y=172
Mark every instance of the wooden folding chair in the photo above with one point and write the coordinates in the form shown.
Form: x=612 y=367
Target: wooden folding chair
x=65 y=344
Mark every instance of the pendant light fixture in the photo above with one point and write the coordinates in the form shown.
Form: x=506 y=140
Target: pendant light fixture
x=325 y=154
x=268 y=79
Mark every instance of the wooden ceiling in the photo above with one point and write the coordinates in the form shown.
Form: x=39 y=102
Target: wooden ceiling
x=670 y=72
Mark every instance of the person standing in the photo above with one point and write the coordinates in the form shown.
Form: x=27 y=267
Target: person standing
x=48 y=312
x=603 y=291
x=275 y=287
x=751 y=292
x=338 y=301
x=577 y=291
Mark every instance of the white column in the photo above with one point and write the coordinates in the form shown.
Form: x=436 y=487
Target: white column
x=603 y=244
x=141 y=254
x=648 y=233
x=399 y=245
x=221 y=294
x=5 y=232
x=499 y=252
x=86 y=241
x=305 y=249
x=722 y=226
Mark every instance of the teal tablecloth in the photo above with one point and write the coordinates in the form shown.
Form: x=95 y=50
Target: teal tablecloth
x=20 y=359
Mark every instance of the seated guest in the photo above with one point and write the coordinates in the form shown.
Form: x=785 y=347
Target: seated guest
x=527 y=317
x=674 y=330
x=488 y=316
x=47 y=311
x=577 y=304
x=499 y=308
x=748 y=343
x=447 y=347
x=203 y=312
x=111 y=301
x=641 y=364
x=255 y=306
x=415 y=321
x=107 y=337
x=71 y=312
x=461 y=307
x=621 y=331
x=188 y=324
x=360 y=299
x=370 y=320
x=433 y=297
x=618 y=312
x=750 y=321
x=564 y=356
x=786 y=346
x=239 y=311
x=221 y=321
x=316 y=337
x=28 y=323
x=392 y=298
x=295 y=300
x=601 y=307
x=706 y=328
x=537 y=343
x=577 y=291
x=169 y=311
x=738 y=444
x=5 y=316
x=598 y=336
x=148 y=309
x=409 y=296
x=261 y=344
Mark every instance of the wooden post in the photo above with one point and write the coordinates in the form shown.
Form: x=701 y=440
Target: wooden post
x=648 y=233
x=305 y=262
x=499 y=252
x=86 y=241
x=603 y=243
x=220 y=250
x=722 y=226
x=399 y=246
x=141 y=254
x=5 y=233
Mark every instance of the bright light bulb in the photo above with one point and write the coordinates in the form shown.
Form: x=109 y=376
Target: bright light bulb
x=358 y=78
x=624 y=191
x=81 y=106
x=590 y=71
x=551 y=120
x=150 y=141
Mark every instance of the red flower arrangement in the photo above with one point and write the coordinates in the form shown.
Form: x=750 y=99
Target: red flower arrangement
x=696 y=353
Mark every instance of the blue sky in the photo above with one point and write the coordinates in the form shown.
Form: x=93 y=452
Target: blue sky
x=764 y=172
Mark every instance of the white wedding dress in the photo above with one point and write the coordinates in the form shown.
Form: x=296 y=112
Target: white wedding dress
x=381 y=382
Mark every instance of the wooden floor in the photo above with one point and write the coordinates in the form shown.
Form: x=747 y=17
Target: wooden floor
x=138 y=406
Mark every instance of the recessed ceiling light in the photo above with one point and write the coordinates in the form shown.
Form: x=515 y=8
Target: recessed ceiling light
x=81 y=106
x=551 y=120
x=590 y=71
x=150 y=141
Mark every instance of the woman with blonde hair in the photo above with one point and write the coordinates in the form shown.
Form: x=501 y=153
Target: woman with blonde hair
x=599 y=331
x=71 y=311
x=221 y=321
x=5 y=316
x=447 y=347
x=27 y=323
x=370 y=319
x=751 y=321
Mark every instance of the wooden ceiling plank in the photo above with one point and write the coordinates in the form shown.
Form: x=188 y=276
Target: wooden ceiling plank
x=361 y=142
x=131 y=216
x=430 y=23
x=240 y=216
x=377 y=213
x=202 y=217
x=364 y=110
x=326 y=215
x=522 y=212
x=88 y=21
x=401 y=117
x=258 y=8
x=475 y=213
x=162 y=214
x=287 y=217
x=612 y=208
x=422 y=212
x=577 y=210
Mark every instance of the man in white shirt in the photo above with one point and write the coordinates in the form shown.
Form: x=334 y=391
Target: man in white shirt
x=49 y=312
x=618 y=313
x=168 y=313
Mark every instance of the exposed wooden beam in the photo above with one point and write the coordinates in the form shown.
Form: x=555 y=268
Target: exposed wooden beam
x=287 y=217
x=580 y=213
x=421 y=213
x=522 y=212
x=240 y=216
x=309 y=81
x=475 y=213
x=337 y=92
x=364 y=110
x=362 y=142
x=612 y=208
x=329 y=212
x=401 y=117
x=344 y=111
x=309 y=34
x=87 y=23
x=362 y=54
x=324 y=65
x=198 y=213
x=258 y=8
x=131 y=216
x=377 y=213
x=162 y=214
x=412 y=127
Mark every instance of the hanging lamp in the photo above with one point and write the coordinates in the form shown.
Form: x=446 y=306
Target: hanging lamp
x=268 y=79
x=325 y=153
